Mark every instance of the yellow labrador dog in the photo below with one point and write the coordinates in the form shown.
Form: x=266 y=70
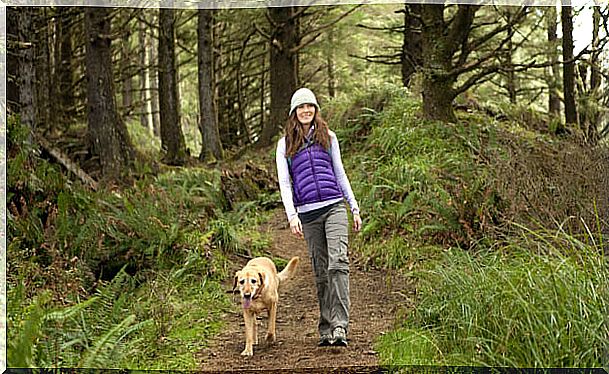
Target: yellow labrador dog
x=258 y=283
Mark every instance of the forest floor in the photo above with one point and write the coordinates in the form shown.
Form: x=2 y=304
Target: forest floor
x=377 y=298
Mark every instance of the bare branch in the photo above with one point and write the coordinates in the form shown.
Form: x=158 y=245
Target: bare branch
x=475 y=44
x=460 y=27
x=482 y=76
x=262 y=32
x=377 y=59
x=318 y=30
x=373 y=28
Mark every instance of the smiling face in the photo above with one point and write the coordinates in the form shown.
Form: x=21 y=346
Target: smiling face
x=305 y=113
x=249 y=284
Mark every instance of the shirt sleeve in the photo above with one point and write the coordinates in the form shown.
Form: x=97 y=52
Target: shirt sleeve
x=285 y=182
x=341 y=176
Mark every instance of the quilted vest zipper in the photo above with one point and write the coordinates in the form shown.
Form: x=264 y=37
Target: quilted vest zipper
x=314 y=175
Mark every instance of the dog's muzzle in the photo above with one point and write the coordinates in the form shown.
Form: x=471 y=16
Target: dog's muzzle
x=247 y=301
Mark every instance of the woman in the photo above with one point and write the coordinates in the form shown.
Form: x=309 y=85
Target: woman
x=313 y=186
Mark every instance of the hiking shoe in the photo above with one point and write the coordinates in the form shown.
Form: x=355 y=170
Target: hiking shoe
x=325 y=340
x=339 y=337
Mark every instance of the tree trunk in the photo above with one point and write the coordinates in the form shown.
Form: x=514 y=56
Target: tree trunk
x=284 y=70
x=65 y=74
x=154 y=88
x=172 y=139
x=595 y=76
x=438 y=93
x=208 y=116
x=509 y=63
x=13 y=57
x=144 y=62
x=26 y=69
x=45 y=99
x=593 y=95
x=568 y=66
x=125 y=65
x=108 y=136
x=554 y=73
x=330 y=65
x=438 y=97
x=410 y=59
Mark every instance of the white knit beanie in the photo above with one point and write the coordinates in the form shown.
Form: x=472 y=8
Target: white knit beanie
x=303 y=96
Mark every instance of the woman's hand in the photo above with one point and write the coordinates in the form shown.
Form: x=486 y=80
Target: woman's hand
x=296 y=227
x=357 y=222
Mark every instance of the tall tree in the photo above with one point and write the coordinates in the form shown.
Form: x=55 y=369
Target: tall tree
x=153 y=58
x=590 y=105
x=26 y=68
x=330 y=62
x=447 y=55
x=410 y=59
x=172 y=138
x=440 y=42
x=144 y=62
x=64 y=62
x=595 y=75
x=108 y=136
x=284 y=68
x=208 y=115
x=568 y=65
x=125 y=63
x=554 y=72
x=508 y=58
x=46 y=102
x=12 y=60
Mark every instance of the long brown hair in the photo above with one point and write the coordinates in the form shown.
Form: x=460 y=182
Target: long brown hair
x=295 y=136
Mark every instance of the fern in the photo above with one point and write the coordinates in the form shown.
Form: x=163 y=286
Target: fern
x=108 y=347
x=25 y=336
x=91 y=333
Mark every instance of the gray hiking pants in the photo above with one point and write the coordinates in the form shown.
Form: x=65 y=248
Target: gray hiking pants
x=327 y=240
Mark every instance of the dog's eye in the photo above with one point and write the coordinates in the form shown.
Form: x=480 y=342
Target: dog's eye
x=253 y=281
x=242 y=281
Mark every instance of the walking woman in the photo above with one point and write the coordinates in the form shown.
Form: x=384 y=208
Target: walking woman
x=313 y=186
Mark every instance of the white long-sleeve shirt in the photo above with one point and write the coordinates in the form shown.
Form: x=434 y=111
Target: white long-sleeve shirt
x=285 y=182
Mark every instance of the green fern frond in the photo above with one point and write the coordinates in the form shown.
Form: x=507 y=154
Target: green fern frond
x=71 y=311
x=101 y=354
x=22 y=347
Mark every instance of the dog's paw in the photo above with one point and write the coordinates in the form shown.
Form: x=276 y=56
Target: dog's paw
x=247 y=352
x=270 y=338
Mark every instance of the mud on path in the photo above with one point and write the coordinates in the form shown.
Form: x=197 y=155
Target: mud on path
x=376 y=297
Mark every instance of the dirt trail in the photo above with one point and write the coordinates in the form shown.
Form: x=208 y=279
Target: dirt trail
x=375 y=299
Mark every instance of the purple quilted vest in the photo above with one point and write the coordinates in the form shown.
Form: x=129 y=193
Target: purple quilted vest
x=313 y=177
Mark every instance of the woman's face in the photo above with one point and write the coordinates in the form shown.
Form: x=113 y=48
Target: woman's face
x=305 y=113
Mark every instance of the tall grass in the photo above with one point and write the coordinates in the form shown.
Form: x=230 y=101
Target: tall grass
x=540 y=302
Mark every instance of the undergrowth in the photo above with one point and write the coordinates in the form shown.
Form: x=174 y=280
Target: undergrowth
x=118 y=278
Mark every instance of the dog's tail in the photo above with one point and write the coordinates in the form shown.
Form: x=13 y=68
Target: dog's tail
x=289 y=270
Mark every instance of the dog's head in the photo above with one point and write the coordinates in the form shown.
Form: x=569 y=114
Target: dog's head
x=250 y=284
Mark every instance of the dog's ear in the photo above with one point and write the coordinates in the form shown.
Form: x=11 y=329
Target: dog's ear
x=235 y=281
x=261 y=277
